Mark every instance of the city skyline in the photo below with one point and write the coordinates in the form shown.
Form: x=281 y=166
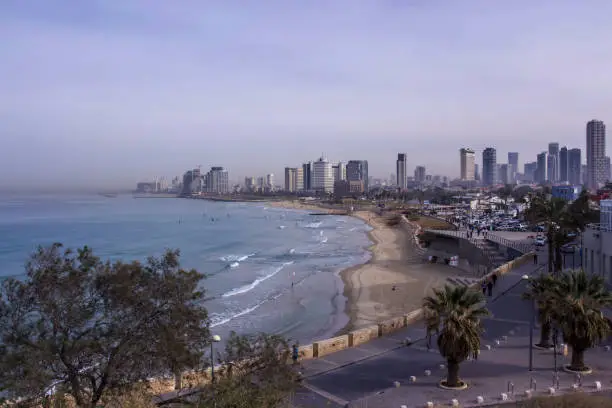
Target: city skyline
x=107 y=93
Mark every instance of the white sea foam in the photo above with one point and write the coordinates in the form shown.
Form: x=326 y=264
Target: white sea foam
x=220 y=319
x=255 y=283
x=234 y=264
x=281 y=227
x=235 y=258
x=313 y=225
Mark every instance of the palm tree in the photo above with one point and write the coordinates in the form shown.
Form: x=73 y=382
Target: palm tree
x=578 y=300
x=454 y=313
x=540 y=291
x=555 y=216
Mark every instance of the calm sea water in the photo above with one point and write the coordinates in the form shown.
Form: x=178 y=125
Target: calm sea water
x=251 y=253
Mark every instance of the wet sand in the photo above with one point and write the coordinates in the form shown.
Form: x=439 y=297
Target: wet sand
x=397 y=262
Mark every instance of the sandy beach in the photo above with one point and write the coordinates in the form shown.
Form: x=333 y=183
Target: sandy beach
x=394 y=281
x=302 y=205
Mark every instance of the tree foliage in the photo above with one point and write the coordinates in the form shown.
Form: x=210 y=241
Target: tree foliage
x=87 y=327
x=257 y=374
x=579 y=300
x=540 y=290
x=454 y=314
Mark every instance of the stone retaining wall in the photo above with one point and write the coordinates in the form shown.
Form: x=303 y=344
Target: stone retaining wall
x=324 y=347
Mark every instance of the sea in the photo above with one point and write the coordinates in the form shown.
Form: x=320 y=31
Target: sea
x=268 y=269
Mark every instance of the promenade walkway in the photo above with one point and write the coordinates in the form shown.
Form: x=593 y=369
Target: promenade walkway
x=368 y=375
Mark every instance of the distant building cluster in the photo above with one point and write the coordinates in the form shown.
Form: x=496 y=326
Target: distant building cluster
x=555 y=166
x=215 y=181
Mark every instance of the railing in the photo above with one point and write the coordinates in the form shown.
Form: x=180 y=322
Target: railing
x=521 y=247
x=600 y=227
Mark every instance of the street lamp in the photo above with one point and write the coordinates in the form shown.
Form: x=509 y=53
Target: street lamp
x=531 y=327
x=215 y=339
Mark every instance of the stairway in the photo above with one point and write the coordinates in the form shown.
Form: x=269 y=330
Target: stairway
x=494 y=255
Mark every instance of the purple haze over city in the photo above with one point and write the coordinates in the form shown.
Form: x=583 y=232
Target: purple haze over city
x=107 y=93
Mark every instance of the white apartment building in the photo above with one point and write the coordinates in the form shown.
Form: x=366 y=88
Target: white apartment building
x=467 y=164
x=597 y=244
x=322 y=176
x=339 y=171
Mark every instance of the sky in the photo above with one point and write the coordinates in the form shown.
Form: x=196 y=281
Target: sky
x=108 y=93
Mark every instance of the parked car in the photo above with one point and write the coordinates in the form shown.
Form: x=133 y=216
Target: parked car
x=568 y=248
x=540 y=241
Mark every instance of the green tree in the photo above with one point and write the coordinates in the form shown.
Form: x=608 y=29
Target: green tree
x=579 y=300
x=92 y=327
x=540 y=290
x=505 y=193
x=257 y=375
x=554 y=215
x=454 y=314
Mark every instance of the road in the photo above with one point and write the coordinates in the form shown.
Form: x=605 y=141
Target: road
x=365 y=376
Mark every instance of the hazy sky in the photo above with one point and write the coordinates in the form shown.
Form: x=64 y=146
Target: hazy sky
x=108 y=92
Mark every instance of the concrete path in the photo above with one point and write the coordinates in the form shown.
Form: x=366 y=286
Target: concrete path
x=365 y=376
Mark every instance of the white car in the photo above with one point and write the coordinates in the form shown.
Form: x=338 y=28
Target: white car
x=540 y=241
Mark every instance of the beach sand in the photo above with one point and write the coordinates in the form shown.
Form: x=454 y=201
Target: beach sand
x=397 y=262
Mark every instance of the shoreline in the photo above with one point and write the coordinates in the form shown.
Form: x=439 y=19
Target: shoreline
x=393 y=281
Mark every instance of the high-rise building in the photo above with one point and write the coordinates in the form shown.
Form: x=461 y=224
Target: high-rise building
x=290 y=179
x=489 y=166
x=505 y=174
x=249 y=183
x=299 y=184
x=476 y=172
x=467 y=158
x=596 y=153
x=339 y=171
x=322 y=176
x=357 y=170
x=401 y=171
x=307 y=176
x=513 y=163
x=270 y=181
x=563 y=164
x=584 y=174
x=574 y=167
x=419 y=174
x=541 y=168
x=217 y=181
x=553 y=162
x=530 y=170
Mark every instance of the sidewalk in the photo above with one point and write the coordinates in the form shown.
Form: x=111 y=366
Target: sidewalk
x=365 y=376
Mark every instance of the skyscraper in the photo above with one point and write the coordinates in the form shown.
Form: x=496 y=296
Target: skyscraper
x=467 y=166
x=339 y=171
x=596 y=153
x=574 y=167
x=563 y=164
x=290 y=179
x=553 y=162
x=299 y=184
x=476 y=172
x=489 y=166
x=541 y=168
x=322 y=176
x=357 y=170
x=307 y=176
x=505 y=174
x=217 y=181
x=401 y=171
x=419 y=174
x=513 y=159
x=530 y=170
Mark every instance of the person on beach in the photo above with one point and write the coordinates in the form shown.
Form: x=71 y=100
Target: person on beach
x=490 y=288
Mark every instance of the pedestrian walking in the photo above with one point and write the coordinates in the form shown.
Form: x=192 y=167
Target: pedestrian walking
x=295 y=354
x=484 y=287
x=535 y=259
x=490 y=288
x=494 y=278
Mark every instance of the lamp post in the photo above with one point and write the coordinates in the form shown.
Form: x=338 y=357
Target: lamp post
x=531 y=327
x=215 y=339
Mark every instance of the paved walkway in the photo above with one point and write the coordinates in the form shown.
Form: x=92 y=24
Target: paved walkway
x=366 y=376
